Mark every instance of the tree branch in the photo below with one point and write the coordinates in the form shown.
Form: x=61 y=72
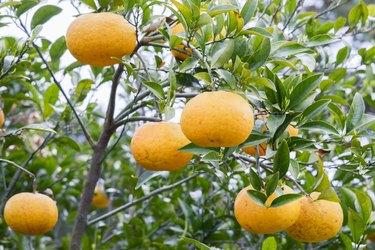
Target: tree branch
x=300 y=3
x=135 y=202
x=85 y=132
x=137 y=119
x=24 y=170
x=112 y=99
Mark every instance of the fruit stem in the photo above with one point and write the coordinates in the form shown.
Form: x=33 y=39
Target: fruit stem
x=24 y=170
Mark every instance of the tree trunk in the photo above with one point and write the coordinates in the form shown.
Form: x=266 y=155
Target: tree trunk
x=88 y=191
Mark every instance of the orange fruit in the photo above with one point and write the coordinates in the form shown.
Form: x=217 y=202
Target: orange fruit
x=179 y=28
x=96 y=37
x=251 y=150
x=293 y=131
x=31 y=213
x=155 y=146
x=100 y=199
x=2 y=118
x=319 y=220
x=265 y=220
x=217 y=119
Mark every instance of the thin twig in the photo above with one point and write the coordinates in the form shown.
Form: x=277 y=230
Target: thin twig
x=135 y=202
x=24 y=170
x=137 y=119
x=112 y=99
x=300 y=3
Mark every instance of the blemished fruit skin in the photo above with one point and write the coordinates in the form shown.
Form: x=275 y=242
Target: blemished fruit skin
x=155 y=146
x=319 y=220
x=217 y=119
x=100 y=200
x=2 y=118
x=96 y=37
x=265 y=220
x=31 y=213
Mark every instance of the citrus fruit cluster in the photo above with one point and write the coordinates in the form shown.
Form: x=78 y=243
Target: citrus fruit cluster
x=305 y=220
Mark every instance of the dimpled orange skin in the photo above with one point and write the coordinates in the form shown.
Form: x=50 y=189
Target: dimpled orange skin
x=262 y=220
x=100 y=200
x=217 y=119
x=155 y=146
x=1 y=118
x=96 y=37
x=31 y=213
x=179 y=28
x=319 y=220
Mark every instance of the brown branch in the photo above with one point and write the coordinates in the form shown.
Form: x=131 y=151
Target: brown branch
x=135 y=202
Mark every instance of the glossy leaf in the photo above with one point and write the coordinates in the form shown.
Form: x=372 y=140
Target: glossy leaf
x=257 y=196
x=285 y=199
x=282 y=159
x=43 y=14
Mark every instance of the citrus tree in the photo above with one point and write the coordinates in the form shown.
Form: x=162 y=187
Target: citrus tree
x=187 y=124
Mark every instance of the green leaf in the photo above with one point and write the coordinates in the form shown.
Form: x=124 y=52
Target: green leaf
x=320 y=40
x=342 y=55
x=58 y=48
x=257 y=31
x=25 y=6
x=347 y=241
x=255 y=180
x=285 y=199
x=204 y=19
x=217 y=10
x=339 y=23
x=43 y=14
x=228 y=77
x=282 y=159
x=315 y=108
x=257 y=196
x=260 y=56
x=221 y=53
x=254 y=139
x=184 y=10
x=262 y=81
x=192 y=148
x=365 y=205
x=83 y=88
x=50 y=97
x=329 y=194
x=156 y=89
x=90 y=3
x=356 y=224
x=271 y=184
x=320 y=125
x=37 y=127
x=196 y=243
x=187 y=80
x=269 y=243
x=67 y=141
x=304 y=89
x=248 y=10
x=146 y=176
x=10 y=3
x=356 y=112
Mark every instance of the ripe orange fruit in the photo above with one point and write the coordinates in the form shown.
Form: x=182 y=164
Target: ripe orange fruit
x=2 y=118
x=96 y=37
x=100 y=199
x=30 y=213
x=251 y=150
x=265 y=220
x=319 y=220
x=217 y=119
x=293 y=131
x=179 y=28
x=155 y=146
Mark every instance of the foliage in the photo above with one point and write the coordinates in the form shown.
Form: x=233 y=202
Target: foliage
x=292 y=64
